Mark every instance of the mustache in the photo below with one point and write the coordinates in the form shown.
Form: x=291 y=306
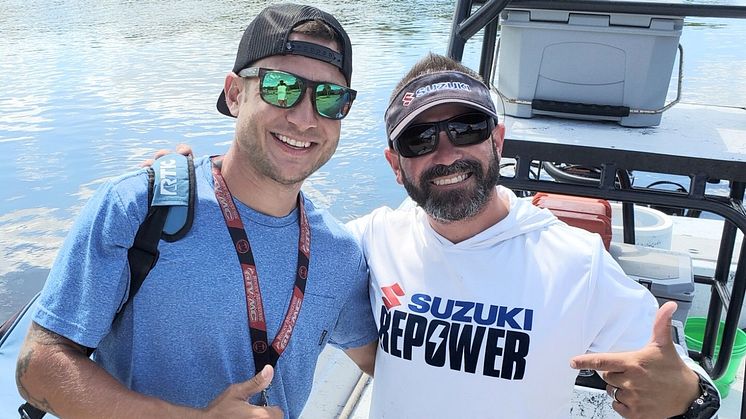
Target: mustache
x=458 y=166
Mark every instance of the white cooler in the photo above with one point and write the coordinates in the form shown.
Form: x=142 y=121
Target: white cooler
x=586 y=65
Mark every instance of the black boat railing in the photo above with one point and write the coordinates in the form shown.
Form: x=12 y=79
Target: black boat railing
x=608 y=160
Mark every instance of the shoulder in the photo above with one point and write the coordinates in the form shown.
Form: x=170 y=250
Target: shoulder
x=112 y=213
x=119 y=198
x=584 y=251
x=383 y=219
x=328 y=230
x=204 y=178
x=575 y=238
x=130 y=186
x=337 y=253
x=203 y=163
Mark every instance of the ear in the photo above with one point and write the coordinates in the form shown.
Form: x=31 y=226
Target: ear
x=233 y=87
x=498 y=137
x=393 y=158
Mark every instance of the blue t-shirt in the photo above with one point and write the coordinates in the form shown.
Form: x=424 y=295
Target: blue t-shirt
x=185 y=337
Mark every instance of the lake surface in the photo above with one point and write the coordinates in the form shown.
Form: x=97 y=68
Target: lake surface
x=89 y=89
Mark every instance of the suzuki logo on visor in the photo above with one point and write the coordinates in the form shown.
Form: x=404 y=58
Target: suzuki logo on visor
x=446 y=85
x=408 y=97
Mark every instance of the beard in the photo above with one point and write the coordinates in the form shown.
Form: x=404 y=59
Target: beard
x=457 y=204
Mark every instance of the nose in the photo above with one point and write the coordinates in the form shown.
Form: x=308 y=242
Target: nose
x=446 y=153
x=303 y=115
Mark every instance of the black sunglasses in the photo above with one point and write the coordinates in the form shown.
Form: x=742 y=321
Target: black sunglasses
x=463 y=130
x=285 y=90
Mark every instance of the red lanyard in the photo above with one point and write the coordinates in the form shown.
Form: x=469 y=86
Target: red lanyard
x=263 y=354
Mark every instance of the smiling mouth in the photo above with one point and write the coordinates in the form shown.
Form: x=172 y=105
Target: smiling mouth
x=293 y=142
x=450 y=180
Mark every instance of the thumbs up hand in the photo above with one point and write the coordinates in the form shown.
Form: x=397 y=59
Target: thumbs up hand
x=653 y=382
x=232 y=403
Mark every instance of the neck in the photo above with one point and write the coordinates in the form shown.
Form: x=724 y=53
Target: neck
x=255 y=189
x=457 y=231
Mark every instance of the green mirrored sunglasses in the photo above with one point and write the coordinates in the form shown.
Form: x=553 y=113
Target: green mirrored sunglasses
x=285 y=90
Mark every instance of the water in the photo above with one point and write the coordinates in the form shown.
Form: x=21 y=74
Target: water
x=88 y=89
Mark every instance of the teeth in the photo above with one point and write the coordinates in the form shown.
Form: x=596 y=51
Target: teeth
x=450 y=180
x=292 y=142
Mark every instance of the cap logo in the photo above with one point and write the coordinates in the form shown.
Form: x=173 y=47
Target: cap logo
x=446 y=85
x=435 y=87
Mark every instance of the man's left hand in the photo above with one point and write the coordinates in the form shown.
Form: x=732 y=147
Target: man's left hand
x=181 y=149
x=653 y=382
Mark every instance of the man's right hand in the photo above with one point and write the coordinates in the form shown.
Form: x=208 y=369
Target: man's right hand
x=232 y=403
x=652 y=382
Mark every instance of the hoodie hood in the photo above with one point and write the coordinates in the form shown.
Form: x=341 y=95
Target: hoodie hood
x=523 y=217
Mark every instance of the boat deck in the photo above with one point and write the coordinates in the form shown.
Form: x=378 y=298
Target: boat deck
x=686 y=130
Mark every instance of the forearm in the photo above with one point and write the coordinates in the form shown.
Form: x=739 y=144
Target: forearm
x=364 y=357
x=55 y=375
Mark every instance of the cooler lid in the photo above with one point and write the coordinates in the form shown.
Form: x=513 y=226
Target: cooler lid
x=591 y=19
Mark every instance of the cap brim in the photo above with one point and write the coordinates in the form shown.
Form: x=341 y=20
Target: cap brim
x=222 y=106
x=412 y=116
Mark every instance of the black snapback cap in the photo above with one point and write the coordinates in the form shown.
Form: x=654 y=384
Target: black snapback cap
x=268 y=34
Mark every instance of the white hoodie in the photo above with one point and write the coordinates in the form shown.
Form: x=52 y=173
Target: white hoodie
x=485 y=328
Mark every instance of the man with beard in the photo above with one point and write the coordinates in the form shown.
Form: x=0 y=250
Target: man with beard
x=483 y=301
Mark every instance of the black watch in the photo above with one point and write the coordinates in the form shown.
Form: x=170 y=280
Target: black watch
x=706 y=405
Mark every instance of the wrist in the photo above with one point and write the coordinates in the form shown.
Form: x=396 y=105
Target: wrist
x=162 y=409
x=183 y=412
x=707 y=402
x=693 y=390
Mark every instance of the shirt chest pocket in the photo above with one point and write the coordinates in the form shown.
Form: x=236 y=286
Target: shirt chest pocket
x=316 y=322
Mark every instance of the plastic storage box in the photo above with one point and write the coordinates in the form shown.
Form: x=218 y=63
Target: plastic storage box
x=586 y=65
x=668 y=275
x=590 y=214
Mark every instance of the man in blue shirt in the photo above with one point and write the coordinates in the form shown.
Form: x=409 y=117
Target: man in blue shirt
x=262 y=281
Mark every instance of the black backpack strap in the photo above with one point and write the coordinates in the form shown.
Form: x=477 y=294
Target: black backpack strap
x=143 y=255
x=171 y=194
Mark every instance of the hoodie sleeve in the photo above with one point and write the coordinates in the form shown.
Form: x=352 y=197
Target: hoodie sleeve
x=620 y=310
